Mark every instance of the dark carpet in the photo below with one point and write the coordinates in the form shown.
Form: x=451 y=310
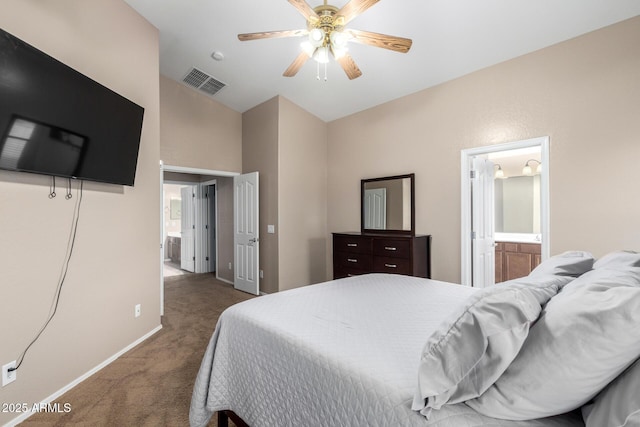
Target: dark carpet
x=151 y=384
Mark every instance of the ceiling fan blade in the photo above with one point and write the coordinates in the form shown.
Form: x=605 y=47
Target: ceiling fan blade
x=306 y=10
x=272 y=35
x=398 y=44
x=354 y=8
x=349 y=66
x=296 y=65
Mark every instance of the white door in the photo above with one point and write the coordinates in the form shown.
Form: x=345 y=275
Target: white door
x=246 y=239
x=187 y=229
x=375 y=208
x=482 y=223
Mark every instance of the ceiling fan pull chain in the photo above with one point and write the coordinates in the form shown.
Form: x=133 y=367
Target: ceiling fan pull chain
x=325 y=71
x=317 y=71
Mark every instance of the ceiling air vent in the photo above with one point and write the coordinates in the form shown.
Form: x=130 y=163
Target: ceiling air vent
x=203 y=82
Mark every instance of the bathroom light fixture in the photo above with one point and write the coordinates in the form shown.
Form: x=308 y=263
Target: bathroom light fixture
x=499 y=173
x=526 y=170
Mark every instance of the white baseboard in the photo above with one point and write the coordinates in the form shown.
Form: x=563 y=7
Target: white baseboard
x=83 y=377
x=224 y=280
x=231 y=283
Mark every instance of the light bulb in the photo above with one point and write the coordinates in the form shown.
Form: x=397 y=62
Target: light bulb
x=339 y=52
x=307 y=48
x=321 y=55
x=316 y=37
x=338 y=39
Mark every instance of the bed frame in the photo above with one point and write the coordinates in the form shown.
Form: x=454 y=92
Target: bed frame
x=225 y=416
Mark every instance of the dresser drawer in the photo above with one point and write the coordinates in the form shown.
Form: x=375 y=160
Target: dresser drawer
x=353 y=260
x=392 y=248
x=392 y=265
x=353 y=244
x=340 y=272
x=360 y=253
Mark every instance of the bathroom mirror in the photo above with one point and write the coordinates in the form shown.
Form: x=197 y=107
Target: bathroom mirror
x=387 y=204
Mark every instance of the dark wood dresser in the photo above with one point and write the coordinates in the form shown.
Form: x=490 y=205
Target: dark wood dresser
x=360 y=253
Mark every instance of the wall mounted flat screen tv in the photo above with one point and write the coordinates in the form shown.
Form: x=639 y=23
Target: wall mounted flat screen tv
x=57 y=121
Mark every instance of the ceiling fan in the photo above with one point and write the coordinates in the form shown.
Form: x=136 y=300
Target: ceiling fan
x=326 y=35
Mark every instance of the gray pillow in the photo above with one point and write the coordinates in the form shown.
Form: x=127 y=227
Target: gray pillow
x=619 y=404
x=584 y=338
x=570 y=263
x=618 y=260
x=472 y=348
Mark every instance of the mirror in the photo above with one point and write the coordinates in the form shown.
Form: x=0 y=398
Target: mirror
x=387 y=205
x=517 y=205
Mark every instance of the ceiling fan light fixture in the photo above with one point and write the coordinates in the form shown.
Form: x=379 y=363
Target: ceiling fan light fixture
x=338 y=39
x=326 y=33
x=339 y=52
x=321 y=55
x=316 y=37
x=307 y=48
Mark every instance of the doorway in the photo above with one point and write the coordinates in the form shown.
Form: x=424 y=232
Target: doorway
x=210 y=228
x=485 y=214
x=178 y=228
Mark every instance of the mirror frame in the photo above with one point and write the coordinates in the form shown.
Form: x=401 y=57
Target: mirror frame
x=410 y=232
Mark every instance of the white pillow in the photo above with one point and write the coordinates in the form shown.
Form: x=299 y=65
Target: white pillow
x=619 y=260
x=619 y=404
x=472 y=348
x=585 y=337
x=571 y=263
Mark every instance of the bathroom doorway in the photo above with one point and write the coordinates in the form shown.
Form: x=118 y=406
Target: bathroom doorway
x=505 y=210
x=178 y=233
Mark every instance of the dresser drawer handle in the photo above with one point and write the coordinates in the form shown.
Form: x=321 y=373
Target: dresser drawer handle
x=352 y=260
x=352 y=245
x=391 y=265
x=390 y=248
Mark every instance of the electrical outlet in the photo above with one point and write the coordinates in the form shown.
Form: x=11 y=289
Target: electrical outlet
x=261 y=274
x=8 y=377
x=136 y=311
x=230 y=266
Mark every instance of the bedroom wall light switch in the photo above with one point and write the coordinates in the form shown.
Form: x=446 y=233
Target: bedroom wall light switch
x=137 y=310
x=8 y=377
x=271 y=229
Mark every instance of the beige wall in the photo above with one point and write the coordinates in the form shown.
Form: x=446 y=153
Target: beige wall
x=197 y=131
x=288 y=147
x=302 y=204
x=582 y=93
x=115 y=262
x=224 y=232
x=260 y=153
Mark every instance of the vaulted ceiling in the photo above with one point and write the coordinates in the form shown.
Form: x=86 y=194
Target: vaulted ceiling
x=451 y=38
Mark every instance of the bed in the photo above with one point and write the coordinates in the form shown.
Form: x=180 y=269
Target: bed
x=354 y=352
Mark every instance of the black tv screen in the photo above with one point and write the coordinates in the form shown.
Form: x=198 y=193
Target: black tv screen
x=57 y=121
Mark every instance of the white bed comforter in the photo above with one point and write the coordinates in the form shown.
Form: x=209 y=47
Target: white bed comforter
x=341 y=353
